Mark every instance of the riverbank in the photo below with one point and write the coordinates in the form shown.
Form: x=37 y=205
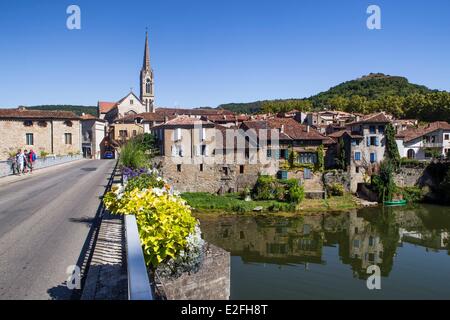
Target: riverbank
x=234 y=203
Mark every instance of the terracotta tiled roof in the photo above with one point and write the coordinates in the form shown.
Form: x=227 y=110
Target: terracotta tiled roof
x=88 y=116
x=414 y=133
x=186 y=121
x=22 y=113
x=289 y=129
x=145 y=117
x=105 y=107
x=194 y=112
x=380 y=117
x=338 y=134
x=226 y=117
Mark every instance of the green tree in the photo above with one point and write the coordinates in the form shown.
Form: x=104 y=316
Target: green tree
x=384 y=183
x=391 y=146
x=341 y=160
x=320 y=166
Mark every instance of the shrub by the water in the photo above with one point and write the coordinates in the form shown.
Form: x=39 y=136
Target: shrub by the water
x=336 y=189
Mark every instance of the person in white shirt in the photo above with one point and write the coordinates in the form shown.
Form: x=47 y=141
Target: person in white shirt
x=20 y=161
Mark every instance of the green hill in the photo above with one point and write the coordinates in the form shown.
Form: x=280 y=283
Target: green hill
x=78 y=110
x=373 y=87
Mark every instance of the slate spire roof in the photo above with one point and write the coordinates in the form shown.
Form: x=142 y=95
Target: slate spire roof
x=146 y=64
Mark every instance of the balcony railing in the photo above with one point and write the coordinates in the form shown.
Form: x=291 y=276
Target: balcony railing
x=432 y=145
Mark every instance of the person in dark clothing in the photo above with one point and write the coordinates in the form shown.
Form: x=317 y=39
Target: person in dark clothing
x=31 y=157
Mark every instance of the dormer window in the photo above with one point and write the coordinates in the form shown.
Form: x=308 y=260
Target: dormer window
x=131 y=101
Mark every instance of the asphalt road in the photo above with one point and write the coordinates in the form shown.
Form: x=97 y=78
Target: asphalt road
x=44 y=222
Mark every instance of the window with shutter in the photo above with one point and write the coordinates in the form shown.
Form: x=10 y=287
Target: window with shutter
x=277 y=154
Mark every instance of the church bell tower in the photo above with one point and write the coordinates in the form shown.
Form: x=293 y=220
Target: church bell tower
x=147 y=94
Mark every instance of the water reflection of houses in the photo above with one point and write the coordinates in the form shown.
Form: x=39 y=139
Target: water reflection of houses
x=363 y=238
x=365 y=245
x=279 y=241
x=429 y=239
x=298 y=240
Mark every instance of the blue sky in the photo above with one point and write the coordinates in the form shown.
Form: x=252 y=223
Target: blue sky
x=208 y=52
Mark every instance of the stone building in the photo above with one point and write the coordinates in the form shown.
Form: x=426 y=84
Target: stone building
x=50 y=132
x=196 y=157
x=364 y=143
x=93 y=133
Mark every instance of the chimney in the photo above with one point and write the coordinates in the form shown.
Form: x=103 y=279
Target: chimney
x=307 y=128
x=282 y=128
x=83 y=114
x=166 y=119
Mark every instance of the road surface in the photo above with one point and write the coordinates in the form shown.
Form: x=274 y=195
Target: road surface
x=44 y=223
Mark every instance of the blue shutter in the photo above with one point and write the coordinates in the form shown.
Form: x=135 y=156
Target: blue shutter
x=368 y=141
x=307 y=173
x=354 y=142
x=377 y=142
x=286 y=153
x=373 y=157
x=277 y=154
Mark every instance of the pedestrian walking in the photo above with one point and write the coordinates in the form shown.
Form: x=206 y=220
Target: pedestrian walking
x=14 y=166
x=31 y=157
x=20 y=158
x=25 y=161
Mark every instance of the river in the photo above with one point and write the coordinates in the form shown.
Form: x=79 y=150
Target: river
x=326 y=256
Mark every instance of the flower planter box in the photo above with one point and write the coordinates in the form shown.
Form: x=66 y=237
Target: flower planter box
x=211 y=282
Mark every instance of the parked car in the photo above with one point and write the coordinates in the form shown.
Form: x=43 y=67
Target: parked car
x=108 y=155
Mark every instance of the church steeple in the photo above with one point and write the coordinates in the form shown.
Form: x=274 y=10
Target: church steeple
x=147 y=95
x=146 y=65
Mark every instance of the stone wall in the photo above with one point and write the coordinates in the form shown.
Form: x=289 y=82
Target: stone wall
x=409 y=177
x=5 y=166
x=211 y=282
x=13 y=133
x=215 y=178
x=338 y=177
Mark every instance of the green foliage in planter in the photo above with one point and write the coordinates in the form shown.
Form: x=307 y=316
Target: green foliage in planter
x=164 y=222
x=133 y=156
x=336 y=190
x=144 y=181
x=43 y=154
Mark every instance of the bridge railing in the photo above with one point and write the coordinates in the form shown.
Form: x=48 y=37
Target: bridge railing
x=138 y=280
